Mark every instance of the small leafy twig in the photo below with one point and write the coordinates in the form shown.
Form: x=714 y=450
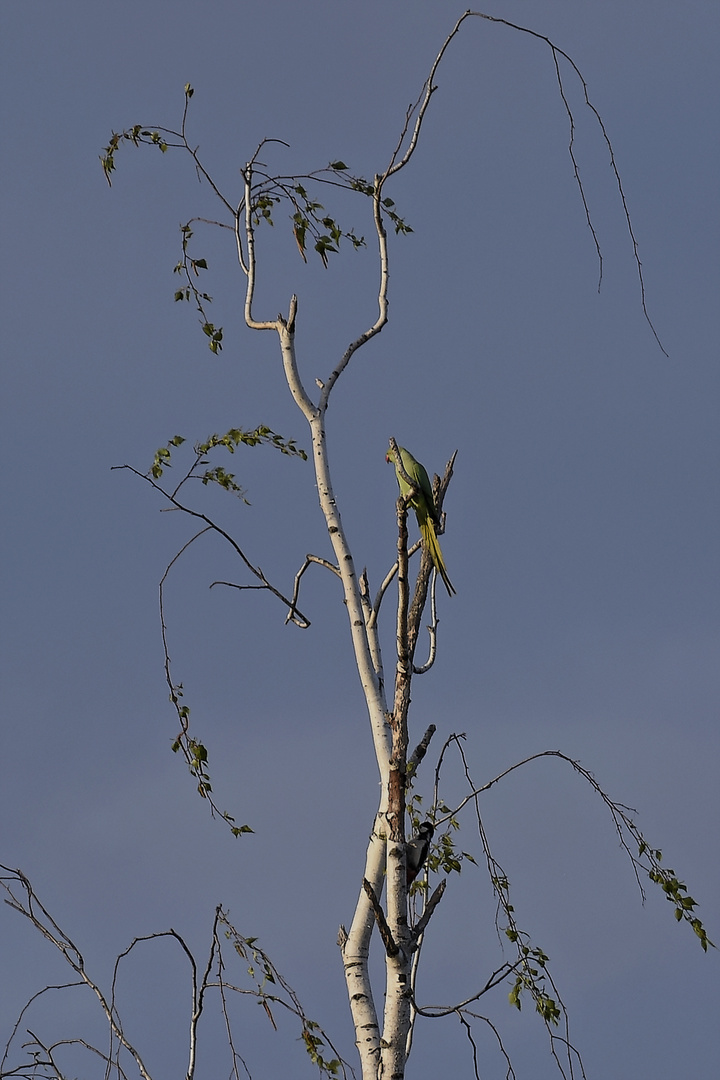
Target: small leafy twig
x=234 y=437
x=265 y=975
x=190 y=267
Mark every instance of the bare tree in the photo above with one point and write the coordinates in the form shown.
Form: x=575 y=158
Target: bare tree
x=393 y=889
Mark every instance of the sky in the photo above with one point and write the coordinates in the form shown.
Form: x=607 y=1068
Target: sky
x=582 y=532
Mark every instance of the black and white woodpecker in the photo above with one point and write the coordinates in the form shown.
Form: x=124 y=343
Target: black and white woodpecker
x=417 y=850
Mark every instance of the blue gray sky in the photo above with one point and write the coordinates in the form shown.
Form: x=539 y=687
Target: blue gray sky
x=582 y=531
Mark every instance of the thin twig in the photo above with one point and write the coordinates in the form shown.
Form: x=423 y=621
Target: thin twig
x=309 y=560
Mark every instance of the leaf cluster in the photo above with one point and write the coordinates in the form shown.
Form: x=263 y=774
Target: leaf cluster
x=676 y=892
x=137 y=134
x=531 y=978
x=232 y=438
x=190 y=268
x=310 y=219
x=358 y=184
x=196 y=756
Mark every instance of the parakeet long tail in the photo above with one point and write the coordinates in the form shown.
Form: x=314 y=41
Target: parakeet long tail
x=430 y=541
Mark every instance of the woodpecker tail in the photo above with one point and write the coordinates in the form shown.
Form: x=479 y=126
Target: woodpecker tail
x=430 y=540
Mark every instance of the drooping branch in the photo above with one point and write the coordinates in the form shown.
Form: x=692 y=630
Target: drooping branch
x=648 y=859
x=192 y=749
x=398 y=162
x=462 y=1014
x=530 y=969
x=497 y=977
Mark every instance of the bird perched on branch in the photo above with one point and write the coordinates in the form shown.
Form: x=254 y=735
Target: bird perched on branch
x=423 y=504
x=417 y=850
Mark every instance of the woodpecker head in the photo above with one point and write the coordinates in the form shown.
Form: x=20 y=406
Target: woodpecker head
x=417 y=850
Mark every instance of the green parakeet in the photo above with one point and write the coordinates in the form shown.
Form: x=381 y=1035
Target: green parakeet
x=423 y=504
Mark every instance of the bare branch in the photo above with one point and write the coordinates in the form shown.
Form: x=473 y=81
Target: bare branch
x=238 y=239
x=309 y=561
x=26 y=1006
x=385 y=933
x=33 y=910
x=251 y=264
x=301 y=621
x=498 y=976
x=510 y=1072
x=624 y=825
x=387 y=581
x=430 y=87
x=429 y=909
x=420 y=751
x=382 y=318
x=432 y=630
